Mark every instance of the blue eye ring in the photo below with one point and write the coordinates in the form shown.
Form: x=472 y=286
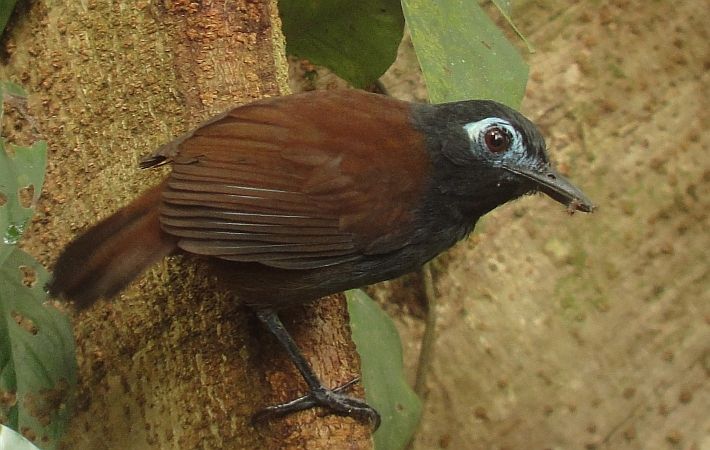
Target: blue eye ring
x=495 y=138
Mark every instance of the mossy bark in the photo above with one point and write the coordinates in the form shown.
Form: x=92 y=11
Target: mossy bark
x=174 y=362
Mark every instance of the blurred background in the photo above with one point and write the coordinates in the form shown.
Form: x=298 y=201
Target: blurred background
x=590 y=331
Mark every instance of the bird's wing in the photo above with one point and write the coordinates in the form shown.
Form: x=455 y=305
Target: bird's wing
x=297 y=182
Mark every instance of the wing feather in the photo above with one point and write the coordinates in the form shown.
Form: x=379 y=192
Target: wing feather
x=300 y=263
x=188 y=230
x=264 y=183
x=286 y=224
x=232 y=248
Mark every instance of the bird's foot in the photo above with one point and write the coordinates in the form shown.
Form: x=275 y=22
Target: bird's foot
x=332 y=399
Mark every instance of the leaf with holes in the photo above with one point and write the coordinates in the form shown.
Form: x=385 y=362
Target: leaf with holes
x=37 y=365
x=21 y=178
x=380 y=351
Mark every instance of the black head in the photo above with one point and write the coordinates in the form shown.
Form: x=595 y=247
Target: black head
x=486 y=154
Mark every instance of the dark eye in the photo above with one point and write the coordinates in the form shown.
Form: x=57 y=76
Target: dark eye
x=497 y=140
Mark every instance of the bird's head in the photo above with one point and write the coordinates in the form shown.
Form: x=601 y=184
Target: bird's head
x=486 y=154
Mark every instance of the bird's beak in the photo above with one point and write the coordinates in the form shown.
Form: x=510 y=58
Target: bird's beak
x=556 y=187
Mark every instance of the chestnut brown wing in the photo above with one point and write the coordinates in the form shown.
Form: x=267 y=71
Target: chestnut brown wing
x=297 y=182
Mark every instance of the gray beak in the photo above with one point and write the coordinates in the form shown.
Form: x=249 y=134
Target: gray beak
x=556 y=187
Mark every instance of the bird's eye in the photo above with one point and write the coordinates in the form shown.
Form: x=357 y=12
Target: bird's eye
x=497 y=140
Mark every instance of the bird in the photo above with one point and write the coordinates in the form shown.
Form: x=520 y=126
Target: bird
x=293 y=198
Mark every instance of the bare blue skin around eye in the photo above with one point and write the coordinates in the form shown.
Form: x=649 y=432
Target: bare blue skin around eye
x=514 y=156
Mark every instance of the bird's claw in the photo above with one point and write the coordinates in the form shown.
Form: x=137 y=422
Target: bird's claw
x=333 y=400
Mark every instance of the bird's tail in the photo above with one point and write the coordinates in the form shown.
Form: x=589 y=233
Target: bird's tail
x=102 y=261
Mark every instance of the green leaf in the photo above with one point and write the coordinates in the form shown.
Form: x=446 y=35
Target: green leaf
x=6 y=7
x=12 y=89
x=356 y=39
x=463 y=54
x=11 y=440
x=506 y=9
x=23 y=171
x=386 y=389
x=37 y=364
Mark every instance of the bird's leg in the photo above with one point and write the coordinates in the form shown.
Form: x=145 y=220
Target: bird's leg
x=318 y=395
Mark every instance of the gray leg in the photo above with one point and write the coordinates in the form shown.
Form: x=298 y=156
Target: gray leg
x=319 y=395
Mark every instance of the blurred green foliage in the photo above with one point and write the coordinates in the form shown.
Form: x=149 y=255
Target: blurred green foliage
x=357 y=40
x=463 y=54
x=386 y=388
x=6 y=7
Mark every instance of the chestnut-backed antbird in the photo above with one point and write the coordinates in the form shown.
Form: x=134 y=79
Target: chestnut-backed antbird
x=293 y=198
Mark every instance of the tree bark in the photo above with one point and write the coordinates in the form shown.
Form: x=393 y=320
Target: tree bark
x=173 y=362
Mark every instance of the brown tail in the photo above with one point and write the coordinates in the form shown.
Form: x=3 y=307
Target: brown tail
x=102 y=261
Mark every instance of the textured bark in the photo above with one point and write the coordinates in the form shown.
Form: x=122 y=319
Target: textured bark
x=173 y=362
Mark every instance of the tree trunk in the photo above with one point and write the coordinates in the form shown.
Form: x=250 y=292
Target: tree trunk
x=173 y=362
